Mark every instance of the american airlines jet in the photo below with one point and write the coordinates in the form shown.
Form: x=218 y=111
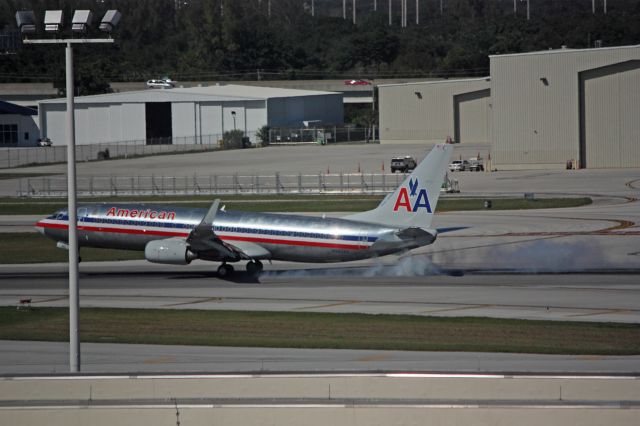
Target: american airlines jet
x=177 y=235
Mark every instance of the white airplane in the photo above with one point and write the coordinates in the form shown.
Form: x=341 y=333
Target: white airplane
x=178 y=235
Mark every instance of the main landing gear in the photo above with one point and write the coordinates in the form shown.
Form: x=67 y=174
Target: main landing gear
x=254 y=267
x=225 y=270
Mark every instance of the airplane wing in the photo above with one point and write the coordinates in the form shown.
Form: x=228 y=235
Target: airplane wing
x=451 y=229
x=204 y=241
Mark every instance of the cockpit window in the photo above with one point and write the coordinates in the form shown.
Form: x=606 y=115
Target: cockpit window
x=60 y=214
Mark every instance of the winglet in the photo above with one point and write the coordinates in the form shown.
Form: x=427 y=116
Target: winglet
x=211 y=214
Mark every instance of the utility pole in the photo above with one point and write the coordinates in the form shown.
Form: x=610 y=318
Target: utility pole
x=528 y=15
x=604 y=7
x=354 y=12
x=417 y=13
x=390 y=14
x=375 y=5
x=53 y=22
x=404 y=13
x=313 y=8
x=515 y=8
x=593 y=6
x=441 y=7
x=344 y=9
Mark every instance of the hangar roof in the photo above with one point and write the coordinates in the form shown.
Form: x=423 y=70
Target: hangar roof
x=566 y=50
x=228 y=92
x=413 y=83
x=13 y=109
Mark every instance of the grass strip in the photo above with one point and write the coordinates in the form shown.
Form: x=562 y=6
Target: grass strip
x=317 y=204
x=25 y=247
x=6 y=176
x=322 y=330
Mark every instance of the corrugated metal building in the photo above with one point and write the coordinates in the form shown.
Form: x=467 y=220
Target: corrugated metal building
x=194 y=114
x=558 y=105
x=431 y=111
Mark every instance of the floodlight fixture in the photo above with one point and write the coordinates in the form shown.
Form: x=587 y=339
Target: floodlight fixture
x=26 y=21
x=52 y=20
x=110 y=20
x=81 y=20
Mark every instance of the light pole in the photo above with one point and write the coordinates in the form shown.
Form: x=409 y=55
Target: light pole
x=53 y=21
x=233 y=114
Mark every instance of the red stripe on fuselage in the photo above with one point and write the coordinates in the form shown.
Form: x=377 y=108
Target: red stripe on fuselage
x=115 y=230
x=222 y=237
x=292 y=242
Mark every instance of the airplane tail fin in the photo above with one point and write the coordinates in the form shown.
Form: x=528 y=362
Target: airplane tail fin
x=412 y=204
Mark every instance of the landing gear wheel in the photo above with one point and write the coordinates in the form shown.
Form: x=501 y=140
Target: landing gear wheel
x=225 y=270
x=254 y=267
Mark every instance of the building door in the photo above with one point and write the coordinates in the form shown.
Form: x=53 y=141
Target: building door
x=158 y=123
x=609 y=111
x=471 y=117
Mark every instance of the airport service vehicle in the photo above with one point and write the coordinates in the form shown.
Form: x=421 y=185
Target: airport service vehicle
x=476 y=165
x=177 y=235
x=459 y=166
x=402 y=164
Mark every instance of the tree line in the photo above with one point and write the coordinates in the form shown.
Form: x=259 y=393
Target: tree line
x=279 y=39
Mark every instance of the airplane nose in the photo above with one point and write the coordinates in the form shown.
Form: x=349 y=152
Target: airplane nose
x=39 y=228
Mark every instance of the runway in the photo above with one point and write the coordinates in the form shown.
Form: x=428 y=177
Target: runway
x=19 y=358
x=579 y=264
x=578 y=297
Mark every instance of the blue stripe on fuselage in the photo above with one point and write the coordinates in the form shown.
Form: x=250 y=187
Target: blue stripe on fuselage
x=223 y=228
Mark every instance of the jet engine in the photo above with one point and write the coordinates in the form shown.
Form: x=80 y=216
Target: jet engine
x=172 y=251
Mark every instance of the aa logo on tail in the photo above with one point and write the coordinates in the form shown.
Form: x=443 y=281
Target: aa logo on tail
x=420 y=196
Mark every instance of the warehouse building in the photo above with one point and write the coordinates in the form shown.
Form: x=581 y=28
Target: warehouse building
x=538 y=110
x=193 y=115
x=431 y=111
x=555 y=106
x=18 y=126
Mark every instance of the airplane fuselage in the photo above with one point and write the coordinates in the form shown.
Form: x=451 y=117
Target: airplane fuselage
x=284 y=236
x=177 y=235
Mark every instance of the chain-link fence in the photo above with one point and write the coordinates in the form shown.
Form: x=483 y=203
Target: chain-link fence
x=345 y=183
x=23 y=156
x=323 y=135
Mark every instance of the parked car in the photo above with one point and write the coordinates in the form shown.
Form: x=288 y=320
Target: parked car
x=403 y=164
x=166 y=83
x=44 y=142
x=357 y=83
x=459 y=165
